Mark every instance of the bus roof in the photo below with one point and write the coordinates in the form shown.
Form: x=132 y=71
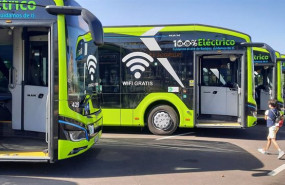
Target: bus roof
x=138 y=30
x=260 y=49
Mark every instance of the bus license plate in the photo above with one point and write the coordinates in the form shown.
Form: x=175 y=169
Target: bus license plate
x=91 y=129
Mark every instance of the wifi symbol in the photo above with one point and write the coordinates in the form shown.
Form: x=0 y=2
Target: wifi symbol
x=138 y=63
x=91 y=65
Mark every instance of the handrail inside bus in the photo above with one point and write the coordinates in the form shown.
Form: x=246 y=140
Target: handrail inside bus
x=93 y=22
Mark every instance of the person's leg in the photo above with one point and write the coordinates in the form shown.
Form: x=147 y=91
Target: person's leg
x=273 y=139
x=265 y=149
x=268 y=144
x=275 y=144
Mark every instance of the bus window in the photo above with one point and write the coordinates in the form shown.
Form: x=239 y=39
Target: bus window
x=37 y=63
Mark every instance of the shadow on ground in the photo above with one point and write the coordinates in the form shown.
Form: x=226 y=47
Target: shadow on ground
x=258 y=132
x=129 y=157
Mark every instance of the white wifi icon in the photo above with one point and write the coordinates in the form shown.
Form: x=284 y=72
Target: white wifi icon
x=91 y=65
x=137 y=61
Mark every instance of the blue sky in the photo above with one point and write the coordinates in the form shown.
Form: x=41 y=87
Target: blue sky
x=263 y=20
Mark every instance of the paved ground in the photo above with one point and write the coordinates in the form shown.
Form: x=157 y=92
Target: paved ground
x=131 y=156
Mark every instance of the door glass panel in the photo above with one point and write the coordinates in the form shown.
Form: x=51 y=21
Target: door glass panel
x=37 y=68
x=220 y=72
x=6 y=55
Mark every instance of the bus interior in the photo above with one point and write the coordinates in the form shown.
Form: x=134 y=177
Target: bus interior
x=263 y=85
x=24 y=92
x=219 y=90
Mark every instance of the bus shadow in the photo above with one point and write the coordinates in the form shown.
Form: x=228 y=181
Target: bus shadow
x=258 y=132
x=130 y=157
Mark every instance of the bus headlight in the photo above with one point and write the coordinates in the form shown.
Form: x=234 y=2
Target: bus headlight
x=254 y=114
x=251 y=110
x=76 y=135
x=74 y=131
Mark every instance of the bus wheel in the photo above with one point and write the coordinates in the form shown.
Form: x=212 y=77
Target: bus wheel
x=162 y=120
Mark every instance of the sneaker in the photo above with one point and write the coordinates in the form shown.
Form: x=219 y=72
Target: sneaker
x=281 y=154
x=261 y=150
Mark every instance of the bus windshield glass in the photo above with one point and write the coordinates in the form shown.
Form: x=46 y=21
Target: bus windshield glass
x=83 y=79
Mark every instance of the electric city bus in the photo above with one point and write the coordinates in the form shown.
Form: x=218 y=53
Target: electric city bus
x=165 y=77
x=268 y=79
x=49 y=83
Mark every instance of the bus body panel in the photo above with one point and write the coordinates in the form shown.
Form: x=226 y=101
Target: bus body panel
x=185 y=115
x=112 y=117
x=127 y=117
x=135 y=117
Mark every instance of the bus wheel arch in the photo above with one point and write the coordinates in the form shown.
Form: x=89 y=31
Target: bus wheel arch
x=162 y=118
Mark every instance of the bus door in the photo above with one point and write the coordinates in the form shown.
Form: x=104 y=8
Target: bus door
x=218 y=92
x=36 y=81
x=263 y=80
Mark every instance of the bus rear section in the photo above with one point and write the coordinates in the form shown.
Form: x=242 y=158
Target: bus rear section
x=170 y=76
x=41 y=118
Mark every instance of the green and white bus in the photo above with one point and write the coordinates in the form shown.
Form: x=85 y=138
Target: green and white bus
x=268 y=79
x=170 y=76
x=49 y=80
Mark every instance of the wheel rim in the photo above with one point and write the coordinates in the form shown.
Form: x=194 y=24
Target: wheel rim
x=162 y=120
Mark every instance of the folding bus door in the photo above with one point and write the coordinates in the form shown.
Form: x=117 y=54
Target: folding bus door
x=36 y=83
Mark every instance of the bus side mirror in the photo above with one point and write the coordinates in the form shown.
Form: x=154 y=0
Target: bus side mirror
x=261 y=45
x=95 y=26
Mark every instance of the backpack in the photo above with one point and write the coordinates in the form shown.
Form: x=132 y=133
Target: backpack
x=278 y=119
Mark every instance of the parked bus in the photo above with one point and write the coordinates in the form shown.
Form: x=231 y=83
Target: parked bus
x=165 y=77
x=49 y=83
x=268 y=79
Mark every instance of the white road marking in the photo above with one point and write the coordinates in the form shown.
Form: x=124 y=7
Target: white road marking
x=181 y=169
x=168 y=137
x=277 y=170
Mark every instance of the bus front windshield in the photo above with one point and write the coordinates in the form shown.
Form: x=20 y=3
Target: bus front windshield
x=82 y=70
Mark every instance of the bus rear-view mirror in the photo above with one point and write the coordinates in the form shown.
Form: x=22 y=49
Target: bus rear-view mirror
x=95 y=26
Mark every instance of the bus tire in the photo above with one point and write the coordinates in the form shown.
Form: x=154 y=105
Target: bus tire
x=162 y=120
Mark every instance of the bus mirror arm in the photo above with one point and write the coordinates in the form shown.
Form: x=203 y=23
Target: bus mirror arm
x=261 y=45
x=95 y=26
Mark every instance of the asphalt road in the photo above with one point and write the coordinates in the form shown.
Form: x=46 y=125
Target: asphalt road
x=134 y=156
